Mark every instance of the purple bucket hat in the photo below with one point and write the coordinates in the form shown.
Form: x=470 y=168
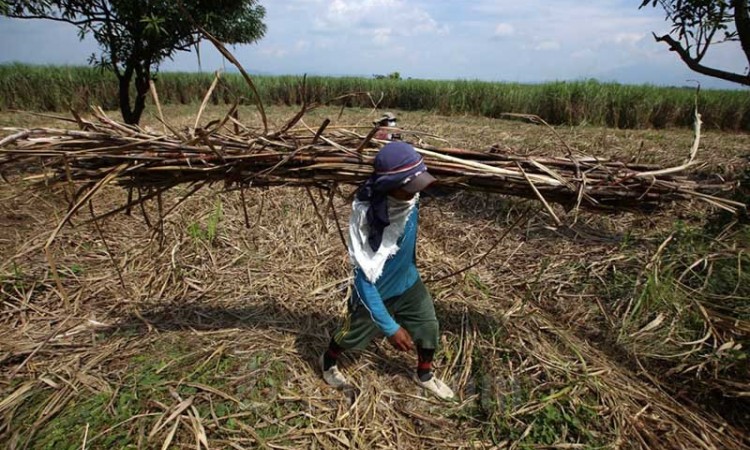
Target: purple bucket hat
x=398 y=165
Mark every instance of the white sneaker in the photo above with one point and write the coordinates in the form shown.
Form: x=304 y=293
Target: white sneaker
x=333 y=376
x=436 y=386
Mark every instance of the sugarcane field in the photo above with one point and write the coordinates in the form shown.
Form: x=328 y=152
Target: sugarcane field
x=174 y=284
x=228 y=260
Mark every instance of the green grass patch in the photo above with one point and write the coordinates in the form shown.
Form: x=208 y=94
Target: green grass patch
x=518 y=411
x=16 y=278
x=175 y=365
x=208 y=232
x=695 y=290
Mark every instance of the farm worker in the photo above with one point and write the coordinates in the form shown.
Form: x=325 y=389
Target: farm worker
x=388 y=295
x=387 y=120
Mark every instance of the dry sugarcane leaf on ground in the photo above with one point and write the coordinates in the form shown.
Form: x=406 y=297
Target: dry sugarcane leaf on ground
x=513 y=342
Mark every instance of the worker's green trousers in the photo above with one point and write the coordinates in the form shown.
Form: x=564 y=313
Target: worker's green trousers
x=413 y=310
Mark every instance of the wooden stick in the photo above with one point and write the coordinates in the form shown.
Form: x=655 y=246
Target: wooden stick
x=155 y=96
x=106 y=246
x=206 y=98
x=541 y=197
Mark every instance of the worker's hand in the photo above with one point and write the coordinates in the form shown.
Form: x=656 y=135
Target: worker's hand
x=401 y=340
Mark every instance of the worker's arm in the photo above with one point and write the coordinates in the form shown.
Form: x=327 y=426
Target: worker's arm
x=370 y=297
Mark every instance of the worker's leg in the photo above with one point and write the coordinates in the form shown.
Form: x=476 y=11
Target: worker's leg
x=415 y=311
x=356 y=332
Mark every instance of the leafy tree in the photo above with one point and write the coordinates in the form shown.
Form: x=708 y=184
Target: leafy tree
x=136 y=36
x=390 y=76
x=699 y=24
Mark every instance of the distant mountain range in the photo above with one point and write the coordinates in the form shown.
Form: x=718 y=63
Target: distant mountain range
x=662 y=76
x=633 y=74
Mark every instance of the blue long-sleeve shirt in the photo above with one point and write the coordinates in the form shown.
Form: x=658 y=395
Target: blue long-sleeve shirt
x=399 y=274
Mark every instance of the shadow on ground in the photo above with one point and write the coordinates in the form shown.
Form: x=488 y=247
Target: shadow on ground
x=312 y=329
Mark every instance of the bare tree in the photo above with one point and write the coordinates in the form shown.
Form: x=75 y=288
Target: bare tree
x=698 y=25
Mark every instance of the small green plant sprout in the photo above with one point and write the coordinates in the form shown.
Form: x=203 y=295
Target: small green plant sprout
x=213 y=222
x=211 y=230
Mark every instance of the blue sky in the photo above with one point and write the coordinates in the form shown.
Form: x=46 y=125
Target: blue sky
x=500 y=40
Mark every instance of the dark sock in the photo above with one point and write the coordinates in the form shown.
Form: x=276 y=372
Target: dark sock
x=424 y=364
x=331 y=355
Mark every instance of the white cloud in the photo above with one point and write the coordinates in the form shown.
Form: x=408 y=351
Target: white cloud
x=274 y=52
x=628 y=38
x=547 y=45
x=504 y=29
x=373 y=17
x=569 y=20
x=583 y=53
x=533 y=40
x=382 y=36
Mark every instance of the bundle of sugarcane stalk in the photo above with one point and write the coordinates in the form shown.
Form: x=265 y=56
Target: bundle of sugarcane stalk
x=102 y=151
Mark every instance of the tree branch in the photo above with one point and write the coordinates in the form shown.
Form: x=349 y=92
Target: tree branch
x=187 y=46
x=701 y=52
x=742 y=22
x=113 y=47
x=58 y=19
x=695 y=65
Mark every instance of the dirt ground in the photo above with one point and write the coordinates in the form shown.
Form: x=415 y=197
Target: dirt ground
x=208 y=335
